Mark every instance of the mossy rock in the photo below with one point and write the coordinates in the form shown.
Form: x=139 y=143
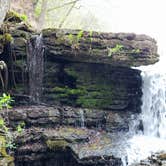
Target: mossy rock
x=3 y=147
x=57 y=144
x=6 y=38
x=13 y=16
x=5 y=159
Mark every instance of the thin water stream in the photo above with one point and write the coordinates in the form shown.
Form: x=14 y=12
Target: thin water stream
x=35 y=68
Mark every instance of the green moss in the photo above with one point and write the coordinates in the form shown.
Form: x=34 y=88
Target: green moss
x=5 y=159
x=57 y=144
x=90 y=103
x=6 y=38
x=71 y=72
x=96 y=96
x=13 y=16
x=3 y=146
x=67 y=131
x=69 y=91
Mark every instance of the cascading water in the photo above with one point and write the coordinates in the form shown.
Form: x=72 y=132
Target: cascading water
x=82 y=119
x=154 y=106
x=35 y=67
x=153 y=116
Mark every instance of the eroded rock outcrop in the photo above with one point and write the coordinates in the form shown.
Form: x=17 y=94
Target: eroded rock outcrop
x=78 y=146
x=117 y=49
x=88 y=81
x=45 y=116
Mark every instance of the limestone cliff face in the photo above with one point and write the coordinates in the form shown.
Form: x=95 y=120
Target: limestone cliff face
x=85 y=74
x=91 y=69
x=82 y=69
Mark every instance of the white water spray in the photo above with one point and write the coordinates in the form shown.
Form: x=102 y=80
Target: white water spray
x=153 y=116
x=154 y=103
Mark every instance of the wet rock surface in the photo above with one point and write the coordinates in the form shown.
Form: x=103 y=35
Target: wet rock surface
x=53 y=135
x=45 y=116
x=83 y=146
x=158 y=159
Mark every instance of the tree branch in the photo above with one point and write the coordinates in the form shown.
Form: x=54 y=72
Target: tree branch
x=65 y=4
x=67 y=14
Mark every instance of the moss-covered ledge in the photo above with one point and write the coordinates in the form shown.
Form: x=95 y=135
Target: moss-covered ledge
x=117 y=49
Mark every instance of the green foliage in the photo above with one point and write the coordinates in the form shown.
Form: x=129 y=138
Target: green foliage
x=75 y=39
x=91 y=39
x=5 y=101
x=79 y=35
x=71 y=38
x=24 y=17
x=117 y=49
x=15 y=17
x=20 y=127
x=37 y=10
x=91 y=34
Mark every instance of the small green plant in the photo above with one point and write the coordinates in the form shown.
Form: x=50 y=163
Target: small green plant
x=20 y=127
x=136 y=51
x=75 y=39
x=91 y=34
x=118 y=48
x=79 y=35
x=91 y=39
x=71 y=38
x=15 y=17
x=24 y=17
x=5 y=104
x=5 y=101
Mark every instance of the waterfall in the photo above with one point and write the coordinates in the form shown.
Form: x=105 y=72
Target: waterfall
x=154 y=104
x=82 y=119
x=35 y=67
x=153 y=116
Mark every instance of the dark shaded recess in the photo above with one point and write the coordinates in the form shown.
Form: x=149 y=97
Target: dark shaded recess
x=64 y=158
x=91 y=85
x=8 y=57
x=17 y=77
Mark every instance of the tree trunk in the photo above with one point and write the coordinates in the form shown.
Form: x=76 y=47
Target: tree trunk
x=41 y=18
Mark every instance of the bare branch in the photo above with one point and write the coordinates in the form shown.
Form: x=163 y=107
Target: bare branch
x=61 y=6
x=67 y=14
